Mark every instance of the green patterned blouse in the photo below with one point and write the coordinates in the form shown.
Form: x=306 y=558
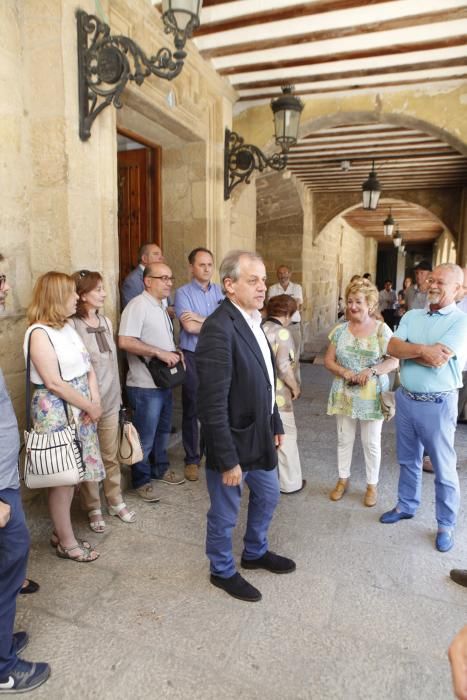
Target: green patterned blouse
x=357 y=354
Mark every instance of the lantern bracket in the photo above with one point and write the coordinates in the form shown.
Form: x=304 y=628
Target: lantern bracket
x=106 y=63
x=241 y=159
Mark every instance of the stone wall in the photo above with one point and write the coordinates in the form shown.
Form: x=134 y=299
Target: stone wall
x=59 y=194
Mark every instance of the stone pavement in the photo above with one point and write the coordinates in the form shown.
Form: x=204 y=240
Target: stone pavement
x=368 y=614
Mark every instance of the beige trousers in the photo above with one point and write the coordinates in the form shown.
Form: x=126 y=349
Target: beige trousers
x=107 y=430
x=290 y=470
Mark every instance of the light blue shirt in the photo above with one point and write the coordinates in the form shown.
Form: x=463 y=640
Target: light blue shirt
x=9 y=441
x=447 y=326
x=202 y=300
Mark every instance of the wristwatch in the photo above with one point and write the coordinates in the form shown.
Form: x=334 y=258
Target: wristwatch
x=373 y=371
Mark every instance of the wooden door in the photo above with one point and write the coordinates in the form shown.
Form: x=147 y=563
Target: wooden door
x=139 y=211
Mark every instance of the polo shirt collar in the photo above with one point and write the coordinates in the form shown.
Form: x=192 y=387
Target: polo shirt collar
x=152 y=300
x=444 y=311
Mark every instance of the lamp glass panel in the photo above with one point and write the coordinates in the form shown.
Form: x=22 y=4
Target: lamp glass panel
x=182 y=9
x=286 y=123
x=388 y=229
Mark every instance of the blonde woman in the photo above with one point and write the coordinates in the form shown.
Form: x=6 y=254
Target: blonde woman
x=61 y=372
x=357 y=358
x=95 y=330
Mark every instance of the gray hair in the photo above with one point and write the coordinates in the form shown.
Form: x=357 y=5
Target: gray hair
x=230 y=266
x=456 y=271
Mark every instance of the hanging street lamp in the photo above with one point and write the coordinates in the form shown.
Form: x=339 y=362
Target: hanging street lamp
x=388 y=224
x=371 y=190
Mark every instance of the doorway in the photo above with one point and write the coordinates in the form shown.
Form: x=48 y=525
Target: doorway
x=139 y=198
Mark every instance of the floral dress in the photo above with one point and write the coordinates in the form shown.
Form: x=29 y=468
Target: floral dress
x=48 y=411
x=357 y=354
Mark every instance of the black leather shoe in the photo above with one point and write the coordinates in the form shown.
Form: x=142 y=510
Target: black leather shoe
x=459 y=576
x=30 y=587
x=237 y=587
x=270 y=562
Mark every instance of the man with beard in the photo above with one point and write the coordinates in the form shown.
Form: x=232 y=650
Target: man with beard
x=426 y=402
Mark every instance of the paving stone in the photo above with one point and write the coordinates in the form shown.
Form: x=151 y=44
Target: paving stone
x=367 y=615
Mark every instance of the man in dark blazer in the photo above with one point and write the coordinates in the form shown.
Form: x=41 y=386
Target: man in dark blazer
x=240 y=425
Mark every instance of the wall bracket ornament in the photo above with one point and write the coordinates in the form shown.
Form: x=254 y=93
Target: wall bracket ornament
x=241 y=159
x=107 y=63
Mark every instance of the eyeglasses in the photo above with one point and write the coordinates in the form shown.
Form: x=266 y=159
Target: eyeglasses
x=2 y=281
x=164 y=278
x=84 y=273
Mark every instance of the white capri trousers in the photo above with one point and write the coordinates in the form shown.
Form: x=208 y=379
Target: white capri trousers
x=290 y=470
x=371 y=442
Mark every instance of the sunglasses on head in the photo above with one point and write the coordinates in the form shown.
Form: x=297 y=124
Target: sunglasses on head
x=84 y=273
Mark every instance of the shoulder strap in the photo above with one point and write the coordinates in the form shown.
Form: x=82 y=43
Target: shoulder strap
x=28 y=379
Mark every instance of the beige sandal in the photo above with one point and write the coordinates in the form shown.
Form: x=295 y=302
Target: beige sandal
x=85 y=556
x=129 y=517
x=99 y=524
x=54 y=541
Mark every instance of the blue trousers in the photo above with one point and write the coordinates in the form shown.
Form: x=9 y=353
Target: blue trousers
x=432 y=426
x=190 y=430
x=152 y=418
x=14 y=550
x=223 y=514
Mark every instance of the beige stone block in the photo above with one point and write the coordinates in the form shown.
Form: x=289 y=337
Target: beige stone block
x=48 y=151
x=198 y=200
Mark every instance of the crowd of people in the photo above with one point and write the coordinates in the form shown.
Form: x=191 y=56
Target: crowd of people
x=240 y=345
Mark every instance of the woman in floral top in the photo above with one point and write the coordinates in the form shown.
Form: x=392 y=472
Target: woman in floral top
x=357 y=357
x=280 y=310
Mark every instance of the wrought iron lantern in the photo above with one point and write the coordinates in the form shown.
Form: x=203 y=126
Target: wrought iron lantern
x=388 y=224
x=106 y=63
x=397 y=238
x=371 y=190
x=241 y=159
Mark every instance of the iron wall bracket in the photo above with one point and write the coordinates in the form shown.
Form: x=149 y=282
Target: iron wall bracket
x=241 y=159
x=106 y=63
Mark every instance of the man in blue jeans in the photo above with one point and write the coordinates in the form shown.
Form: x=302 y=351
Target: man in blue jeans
x=194 y=302
x=432 y=345
x=16 y=675
x=146 y=331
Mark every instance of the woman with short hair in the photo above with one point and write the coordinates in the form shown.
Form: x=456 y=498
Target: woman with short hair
x=95 y=330
x=357 y=357
x=64 y=380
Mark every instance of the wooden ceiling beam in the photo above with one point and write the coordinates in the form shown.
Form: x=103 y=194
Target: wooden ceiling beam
x=393 y=50
x=342 y=75
x=304 y=9
x=363 y=86
x=336 y=33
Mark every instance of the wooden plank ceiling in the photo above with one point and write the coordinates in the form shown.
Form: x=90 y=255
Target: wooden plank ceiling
x=339 y=47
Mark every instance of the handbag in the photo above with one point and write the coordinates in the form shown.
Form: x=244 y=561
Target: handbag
x=387 y=400
x=165 y=377
x=130 y=450
x=54 y=458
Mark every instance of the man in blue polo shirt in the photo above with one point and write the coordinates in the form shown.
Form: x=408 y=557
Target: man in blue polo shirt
x=194 y=302
x=432 y=345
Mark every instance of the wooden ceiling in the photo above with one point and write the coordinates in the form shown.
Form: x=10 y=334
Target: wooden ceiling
x=416 y=224
x=334 y=48
x=331 y=46
x=340 y=159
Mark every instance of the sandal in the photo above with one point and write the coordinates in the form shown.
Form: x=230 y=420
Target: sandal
x=99 y=524
x=128 y=517
x=85 y=556
x=54 y=542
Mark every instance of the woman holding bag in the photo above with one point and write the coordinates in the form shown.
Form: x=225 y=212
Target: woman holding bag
x=95 y=330
x=61 y=372
x=357 y=358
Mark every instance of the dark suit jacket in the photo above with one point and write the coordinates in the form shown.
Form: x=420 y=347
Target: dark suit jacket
x=234 y=395
x=132 y=286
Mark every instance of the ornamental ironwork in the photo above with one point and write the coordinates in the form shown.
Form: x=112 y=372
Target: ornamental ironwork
x=241 y=159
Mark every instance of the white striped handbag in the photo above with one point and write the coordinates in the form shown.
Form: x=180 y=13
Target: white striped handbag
x=52 y=459
x=55 y=458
